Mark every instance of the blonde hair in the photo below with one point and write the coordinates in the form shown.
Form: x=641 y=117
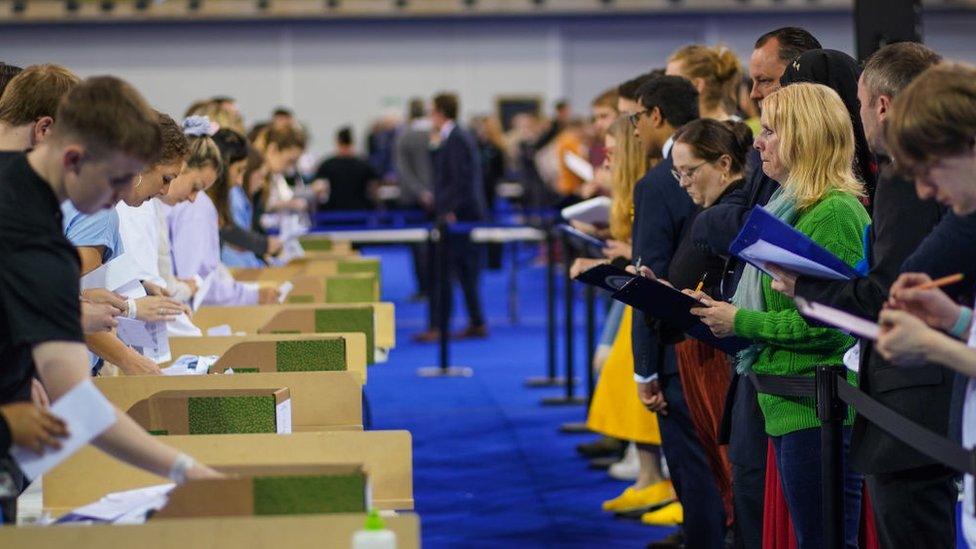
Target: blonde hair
x=629 y=164
x=203 y=152
x=816 y=141
x=934 y=117
x=719 y=69
x=215 y=111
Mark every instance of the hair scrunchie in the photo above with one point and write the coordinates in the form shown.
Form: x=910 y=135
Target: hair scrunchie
x=199 y=126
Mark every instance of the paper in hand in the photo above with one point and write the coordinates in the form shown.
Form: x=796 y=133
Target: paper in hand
x=87 y=414
x=847 y=322
x=579 y=166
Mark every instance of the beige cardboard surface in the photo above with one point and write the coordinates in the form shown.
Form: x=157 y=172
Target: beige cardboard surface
x=90 y=474
x=259 y=349
x=320 y=531
x=320 y=401
x=251 y=318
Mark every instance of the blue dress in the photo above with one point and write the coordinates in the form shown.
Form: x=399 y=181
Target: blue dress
x=90 y=230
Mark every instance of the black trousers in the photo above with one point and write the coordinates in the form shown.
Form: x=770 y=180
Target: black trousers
x=691 y=474
x=745 y=430
x=463 y=265
x=421 y=267
x=915 y=508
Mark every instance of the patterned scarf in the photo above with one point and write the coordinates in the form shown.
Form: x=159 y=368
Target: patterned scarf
x=749 y=292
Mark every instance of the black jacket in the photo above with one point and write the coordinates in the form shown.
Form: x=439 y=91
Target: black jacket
x=458 y=188
x=661 y=210
x=901 y=222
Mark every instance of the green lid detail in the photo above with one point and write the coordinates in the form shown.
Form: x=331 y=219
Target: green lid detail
x=316 y=244
x=302 y=298
x=374 y=521
x=353 y=266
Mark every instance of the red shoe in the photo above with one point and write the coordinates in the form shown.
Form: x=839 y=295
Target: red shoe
x=430 y=336
x=472 y=332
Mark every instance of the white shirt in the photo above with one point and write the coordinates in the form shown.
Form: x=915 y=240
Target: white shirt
x=968 y=441
x=666 y=149
x=140 y=238
x=447 y=128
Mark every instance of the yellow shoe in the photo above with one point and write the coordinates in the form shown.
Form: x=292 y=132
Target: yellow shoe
x=670 y=515
x=632 y=499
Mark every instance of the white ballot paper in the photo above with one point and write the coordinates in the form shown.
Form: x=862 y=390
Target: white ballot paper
x=847 y=322
x=87 y=414
x=120 y=275
x=578 y=165
x=149 y=338
x=221 y=330
x=190 y=365
x=203 y=288
x=283 y=290
x=763 y=252
x=129 y=507
x=593 y=211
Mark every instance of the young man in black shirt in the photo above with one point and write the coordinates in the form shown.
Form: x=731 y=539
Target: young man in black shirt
x=351 y=180
x=105 y=135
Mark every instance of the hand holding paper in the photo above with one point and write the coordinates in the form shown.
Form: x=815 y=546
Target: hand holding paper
x=33 y=427
x=931 y=305
x=903 y=338
x=87 y=414
x=784 y=280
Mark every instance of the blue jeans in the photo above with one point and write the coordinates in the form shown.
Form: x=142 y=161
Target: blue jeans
x=798 y=462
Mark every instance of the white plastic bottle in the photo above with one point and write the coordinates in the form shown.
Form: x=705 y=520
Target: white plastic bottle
x=374 y=535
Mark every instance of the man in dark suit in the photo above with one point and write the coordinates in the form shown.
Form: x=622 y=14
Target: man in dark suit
x=715 y=228
x=458 y=197
x=914 y=497
x=661 y=210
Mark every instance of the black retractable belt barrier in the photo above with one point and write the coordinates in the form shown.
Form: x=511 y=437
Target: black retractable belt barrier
x=551 y=378
x=833 y=394
x=569 y=332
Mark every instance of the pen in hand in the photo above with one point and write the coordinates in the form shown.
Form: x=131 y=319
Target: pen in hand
x=701 y=283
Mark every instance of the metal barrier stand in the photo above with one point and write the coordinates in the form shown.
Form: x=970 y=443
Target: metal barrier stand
x=551 y=378
x=569 y=398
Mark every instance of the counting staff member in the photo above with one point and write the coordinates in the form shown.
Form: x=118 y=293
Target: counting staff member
x=105 y=134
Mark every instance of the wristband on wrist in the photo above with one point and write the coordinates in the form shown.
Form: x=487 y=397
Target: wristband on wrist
x=131 y=310
x=959 y=329
x=182 y=464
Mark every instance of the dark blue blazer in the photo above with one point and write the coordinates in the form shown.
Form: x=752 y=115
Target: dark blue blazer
x=458 y=187
x=661 y=209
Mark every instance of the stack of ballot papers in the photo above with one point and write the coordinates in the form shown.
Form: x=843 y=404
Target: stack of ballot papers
x=595 y=211
x=766 y=239
x=129 y=507
x=190 y=365
x=85 y=412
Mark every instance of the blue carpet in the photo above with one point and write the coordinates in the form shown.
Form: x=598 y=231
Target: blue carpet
x=490 y=467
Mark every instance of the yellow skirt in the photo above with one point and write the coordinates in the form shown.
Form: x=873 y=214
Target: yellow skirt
x=616 y=411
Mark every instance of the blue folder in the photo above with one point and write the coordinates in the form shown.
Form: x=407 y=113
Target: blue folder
x=776 y=242
x=590 y=243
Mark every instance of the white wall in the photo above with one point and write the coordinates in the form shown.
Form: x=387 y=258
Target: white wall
x=333 y=73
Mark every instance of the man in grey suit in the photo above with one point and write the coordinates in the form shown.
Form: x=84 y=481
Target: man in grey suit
x=414 y=173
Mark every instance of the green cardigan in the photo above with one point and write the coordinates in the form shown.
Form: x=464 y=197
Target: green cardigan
x=790 y=346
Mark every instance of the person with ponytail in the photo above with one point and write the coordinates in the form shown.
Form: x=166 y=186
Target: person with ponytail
x=715 y=72
x=194 y=225
x=239 y=245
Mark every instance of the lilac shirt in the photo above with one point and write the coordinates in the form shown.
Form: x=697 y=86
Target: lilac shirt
x=196 y=251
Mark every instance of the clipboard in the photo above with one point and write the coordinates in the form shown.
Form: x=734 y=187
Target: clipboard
x=669 y=305
x=590 y=243
x=766 y=239
x=836 y=318
x=606 y=276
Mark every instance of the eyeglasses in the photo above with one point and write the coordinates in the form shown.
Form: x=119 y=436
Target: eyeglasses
x=687 y=174
x=635 y=118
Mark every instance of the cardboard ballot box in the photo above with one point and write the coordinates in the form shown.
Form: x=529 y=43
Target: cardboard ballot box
x=279 y=490
x=308 y=266
x=343 y=288
x=90 y=474
x=268 y=353
x=320 y=401
x=214 y=411
x=286 y=531
x=376 y=320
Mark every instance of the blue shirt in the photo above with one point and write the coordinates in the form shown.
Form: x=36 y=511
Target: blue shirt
x=241 y=212
x=98 y=229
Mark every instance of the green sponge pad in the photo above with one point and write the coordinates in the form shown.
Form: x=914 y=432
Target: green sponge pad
x=353 y=320
x=231 y=414
x=316 y=244
x=359 y=266
x=350 y=290
x=307 y=494
x=310 y=356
